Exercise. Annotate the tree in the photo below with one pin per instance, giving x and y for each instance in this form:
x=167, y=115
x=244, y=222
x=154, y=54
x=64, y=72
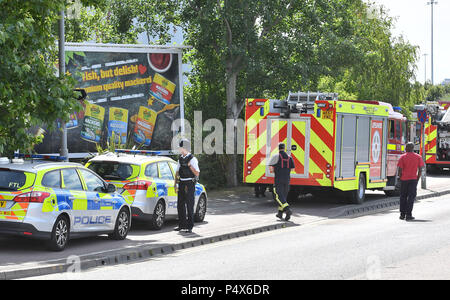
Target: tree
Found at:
x=382, y=66
x=31, y=92
x=263, y=48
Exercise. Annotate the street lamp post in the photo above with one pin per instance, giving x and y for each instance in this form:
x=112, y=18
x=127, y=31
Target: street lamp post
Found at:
x=62, y=70
x=425, y=59
x=432, y=3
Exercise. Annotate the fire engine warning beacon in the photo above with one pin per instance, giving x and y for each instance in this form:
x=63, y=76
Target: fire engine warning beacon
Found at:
x=281, y=164
x=186, y=178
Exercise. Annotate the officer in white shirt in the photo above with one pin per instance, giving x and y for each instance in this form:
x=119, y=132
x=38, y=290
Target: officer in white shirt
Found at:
x=186, y=178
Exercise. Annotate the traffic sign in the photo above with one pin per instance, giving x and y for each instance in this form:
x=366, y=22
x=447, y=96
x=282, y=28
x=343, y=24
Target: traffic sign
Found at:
x=422, y=116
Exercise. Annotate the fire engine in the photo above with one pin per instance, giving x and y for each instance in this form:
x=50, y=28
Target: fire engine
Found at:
x=348, y=146
x=437, y=134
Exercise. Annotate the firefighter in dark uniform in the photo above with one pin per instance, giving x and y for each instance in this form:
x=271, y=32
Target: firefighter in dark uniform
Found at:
x=186, y=178
x=281, y=164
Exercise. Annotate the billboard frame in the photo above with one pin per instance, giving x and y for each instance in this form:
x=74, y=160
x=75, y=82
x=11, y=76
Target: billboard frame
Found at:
x=134, y=48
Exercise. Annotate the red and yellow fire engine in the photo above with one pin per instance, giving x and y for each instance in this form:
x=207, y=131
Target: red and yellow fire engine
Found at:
x=349, y=146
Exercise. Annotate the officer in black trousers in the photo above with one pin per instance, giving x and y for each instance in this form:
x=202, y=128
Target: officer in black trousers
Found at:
x=186, y=177
x=281, y=164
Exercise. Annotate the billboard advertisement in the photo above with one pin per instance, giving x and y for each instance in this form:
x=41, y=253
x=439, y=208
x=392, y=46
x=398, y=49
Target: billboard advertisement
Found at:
x=134, y=93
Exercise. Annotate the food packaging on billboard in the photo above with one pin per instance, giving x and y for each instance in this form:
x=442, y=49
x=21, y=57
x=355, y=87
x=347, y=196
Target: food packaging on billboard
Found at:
x=145, y=125
x=162, y=89
x=118, y=124
x=93, y=123
x=160, y=62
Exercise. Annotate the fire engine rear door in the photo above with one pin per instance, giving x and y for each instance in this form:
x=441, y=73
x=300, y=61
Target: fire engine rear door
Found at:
x=299, y=146
x=294, y=133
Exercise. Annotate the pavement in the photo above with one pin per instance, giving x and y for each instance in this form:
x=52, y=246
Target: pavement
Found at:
x=231, y=213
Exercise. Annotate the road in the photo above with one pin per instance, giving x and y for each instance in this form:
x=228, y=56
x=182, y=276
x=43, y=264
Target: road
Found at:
x=228, y=211
x=378, y=246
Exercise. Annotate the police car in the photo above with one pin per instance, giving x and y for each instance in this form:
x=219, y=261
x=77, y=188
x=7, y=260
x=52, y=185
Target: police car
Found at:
x=57, y=201
x=147, y=181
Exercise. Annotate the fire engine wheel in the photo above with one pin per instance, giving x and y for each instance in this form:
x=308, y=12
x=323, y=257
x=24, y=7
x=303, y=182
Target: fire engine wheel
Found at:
x=358, y=196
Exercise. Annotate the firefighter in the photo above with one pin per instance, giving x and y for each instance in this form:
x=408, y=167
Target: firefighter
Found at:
x=186, y=178
x=281, y=164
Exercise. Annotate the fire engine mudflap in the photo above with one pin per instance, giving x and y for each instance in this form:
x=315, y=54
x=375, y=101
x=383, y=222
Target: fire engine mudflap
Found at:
x=337, y=145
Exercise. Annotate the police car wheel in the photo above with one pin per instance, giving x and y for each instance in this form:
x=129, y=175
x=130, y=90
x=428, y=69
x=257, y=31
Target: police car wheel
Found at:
x=159, y=216
x=60, y=234
x=201, y=209
x=122, y=225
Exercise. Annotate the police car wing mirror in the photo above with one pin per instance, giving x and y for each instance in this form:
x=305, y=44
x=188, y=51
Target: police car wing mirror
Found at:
x=111, y=188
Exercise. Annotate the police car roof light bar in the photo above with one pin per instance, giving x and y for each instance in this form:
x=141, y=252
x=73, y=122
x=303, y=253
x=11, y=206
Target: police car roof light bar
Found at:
x=143, y=152
x=41, y=156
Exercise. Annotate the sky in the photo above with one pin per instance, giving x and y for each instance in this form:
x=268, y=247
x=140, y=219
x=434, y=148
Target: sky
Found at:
x=413, y=21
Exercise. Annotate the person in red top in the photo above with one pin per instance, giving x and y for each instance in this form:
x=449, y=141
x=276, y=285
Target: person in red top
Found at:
x=410, y=167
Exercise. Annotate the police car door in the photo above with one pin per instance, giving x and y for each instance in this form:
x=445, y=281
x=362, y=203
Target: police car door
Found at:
x=73, y=188
x=102, y=204
x=167, y=178
x=173, y=205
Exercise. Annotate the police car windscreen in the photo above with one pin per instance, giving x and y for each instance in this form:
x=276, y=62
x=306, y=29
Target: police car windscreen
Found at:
x=12, y=180
x=112, y=170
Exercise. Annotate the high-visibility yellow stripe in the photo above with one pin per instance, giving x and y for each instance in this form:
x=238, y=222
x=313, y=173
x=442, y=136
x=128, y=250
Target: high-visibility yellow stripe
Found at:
x=317, y=142
x=281, y=206
x=258, y=145
x=392, y=147
x=260, y=169
x=327, y=124
x=275, y=129
x=81, y=203
x=254, y=119
x=257, y=172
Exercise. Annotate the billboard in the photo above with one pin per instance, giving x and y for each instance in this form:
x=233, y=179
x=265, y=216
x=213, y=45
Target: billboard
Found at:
x=134, y=93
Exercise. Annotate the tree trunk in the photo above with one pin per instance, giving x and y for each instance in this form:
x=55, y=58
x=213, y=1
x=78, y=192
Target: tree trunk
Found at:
x=232, y=113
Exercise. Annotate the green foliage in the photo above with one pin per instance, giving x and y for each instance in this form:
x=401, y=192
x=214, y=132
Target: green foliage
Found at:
x=383, y=66
x=120, y=21
x=31, y=93
x=102, y=22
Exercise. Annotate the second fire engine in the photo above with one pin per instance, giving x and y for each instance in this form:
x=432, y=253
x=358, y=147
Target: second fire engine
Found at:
x=437, y=135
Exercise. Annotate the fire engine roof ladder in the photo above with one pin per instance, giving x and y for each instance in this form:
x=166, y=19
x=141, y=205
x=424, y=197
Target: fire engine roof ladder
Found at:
x=305, y=101
x=310, y=97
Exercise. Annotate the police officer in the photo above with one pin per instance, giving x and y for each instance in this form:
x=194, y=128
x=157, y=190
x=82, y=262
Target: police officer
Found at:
x=186, y=178
x=281, y=164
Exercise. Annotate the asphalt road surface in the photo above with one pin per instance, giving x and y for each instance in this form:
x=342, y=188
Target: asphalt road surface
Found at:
x=371, y=247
